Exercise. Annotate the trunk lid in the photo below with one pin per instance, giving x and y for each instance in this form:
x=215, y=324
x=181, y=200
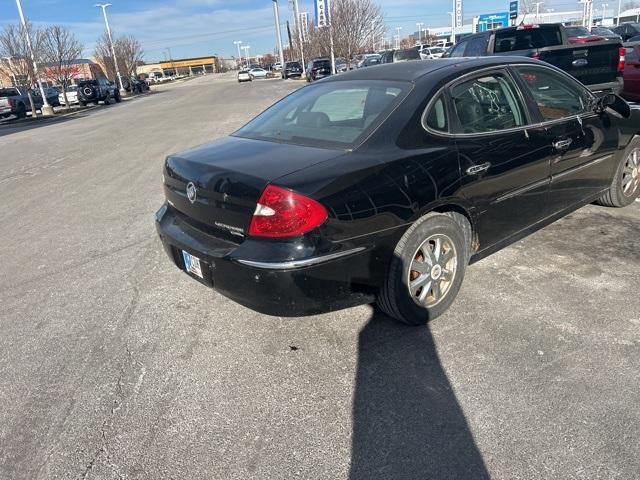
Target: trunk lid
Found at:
x=228, y=176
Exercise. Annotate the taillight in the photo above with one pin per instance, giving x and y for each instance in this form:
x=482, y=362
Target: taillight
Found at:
x=621, y=53
x=10, y=102
x=535, y=56
x=283, y=213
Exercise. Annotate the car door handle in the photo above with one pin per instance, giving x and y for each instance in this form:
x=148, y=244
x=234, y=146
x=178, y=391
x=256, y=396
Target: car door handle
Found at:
x=476, y=169
x=562, y=144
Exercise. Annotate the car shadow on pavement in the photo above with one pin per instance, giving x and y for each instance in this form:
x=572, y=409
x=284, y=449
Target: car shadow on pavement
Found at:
x=407, y=423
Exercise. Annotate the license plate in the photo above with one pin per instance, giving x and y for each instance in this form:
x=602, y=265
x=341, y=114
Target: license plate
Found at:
x=192, y=264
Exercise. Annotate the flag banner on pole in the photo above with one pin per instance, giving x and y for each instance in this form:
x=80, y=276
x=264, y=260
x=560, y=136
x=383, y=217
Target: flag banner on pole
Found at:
x=322, y=13
x=458, y=13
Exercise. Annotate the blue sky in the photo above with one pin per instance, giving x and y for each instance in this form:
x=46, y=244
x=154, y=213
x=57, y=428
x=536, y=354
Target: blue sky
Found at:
x=205, y=27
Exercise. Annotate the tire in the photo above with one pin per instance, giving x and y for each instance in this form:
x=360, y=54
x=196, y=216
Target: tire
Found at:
x=83, y=104
x=417, y=249
x=625, y=187
x=107, y=100
x=117, y=96
x=22, y=111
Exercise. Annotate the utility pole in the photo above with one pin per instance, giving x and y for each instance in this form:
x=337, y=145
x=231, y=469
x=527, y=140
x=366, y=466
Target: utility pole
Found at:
x=296, y=12
x=420, y=25
x=604, y=5
x=47, y=110
x=276, y=15
x=398, y=38
x=104, y=6
x=237, y=44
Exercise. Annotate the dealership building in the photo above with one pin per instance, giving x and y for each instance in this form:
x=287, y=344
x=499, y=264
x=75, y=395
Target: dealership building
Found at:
x=183, y=66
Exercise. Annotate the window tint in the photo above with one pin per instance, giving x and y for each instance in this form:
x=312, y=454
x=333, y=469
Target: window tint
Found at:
x=336, y=114
x=556, y=96
x=458, y=50
x=477, y=47
x=514, y=39
x=437, y=116
x=405, y=55
x=486, y=104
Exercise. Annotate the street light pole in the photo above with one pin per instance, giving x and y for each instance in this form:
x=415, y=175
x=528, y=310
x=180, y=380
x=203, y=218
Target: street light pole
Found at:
x=398, y=38
x=104, y=6
x=296, y=12
x=246, y=54
x=276, y=15
x=453, y=26
x=537, y=4
x=619, y=11
x=237, y=44
x=47, y=110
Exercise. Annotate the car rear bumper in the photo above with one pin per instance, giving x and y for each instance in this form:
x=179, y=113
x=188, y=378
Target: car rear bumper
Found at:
x=316, y=284
x=609, y=87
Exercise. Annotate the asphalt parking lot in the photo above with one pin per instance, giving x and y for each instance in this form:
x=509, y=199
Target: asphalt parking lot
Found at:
x=114, y=364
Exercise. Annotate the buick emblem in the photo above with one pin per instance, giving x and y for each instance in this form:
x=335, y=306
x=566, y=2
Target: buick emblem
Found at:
x=192, y=192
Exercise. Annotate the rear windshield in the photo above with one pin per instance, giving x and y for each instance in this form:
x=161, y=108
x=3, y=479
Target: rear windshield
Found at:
x=404, y=55
x=321, y=64
x=578, y=31
x=293, y=65
x=328, y=115
x=537, y=37
x=8, y=92
x=88, y=82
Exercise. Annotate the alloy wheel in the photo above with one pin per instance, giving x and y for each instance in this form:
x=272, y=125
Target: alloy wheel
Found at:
x=631, y=173
x=432, y=270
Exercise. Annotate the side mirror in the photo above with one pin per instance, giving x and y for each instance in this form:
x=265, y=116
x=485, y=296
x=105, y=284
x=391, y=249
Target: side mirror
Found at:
x=617, y=105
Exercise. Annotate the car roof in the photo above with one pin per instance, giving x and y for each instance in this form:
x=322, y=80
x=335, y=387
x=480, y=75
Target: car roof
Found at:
x=412, y=71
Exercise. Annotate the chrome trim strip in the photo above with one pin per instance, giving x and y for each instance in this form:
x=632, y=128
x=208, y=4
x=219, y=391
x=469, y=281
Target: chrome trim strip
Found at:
x=299, y=263
x=583, y=115
x=525, y=189
x=581, y=167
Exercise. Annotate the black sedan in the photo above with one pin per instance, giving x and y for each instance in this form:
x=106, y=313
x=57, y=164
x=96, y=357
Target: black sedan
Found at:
x=383, y=184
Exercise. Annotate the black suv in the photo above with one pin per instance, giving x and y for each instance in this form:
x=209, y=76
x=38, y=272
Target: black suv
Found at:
x=627, y=30
x=291, y=69
x=318, y=68
x=100, y=90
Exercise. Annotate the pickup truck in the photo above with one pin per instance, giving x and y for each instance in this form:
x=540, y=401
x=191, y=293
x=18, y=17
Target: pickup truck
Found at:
x=598, y=65
x=15, y=101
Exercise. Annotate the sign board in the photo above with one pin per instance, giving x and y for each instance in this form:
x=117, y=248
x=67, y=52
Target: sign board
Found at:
x=493, y=21
x=513, y=10
x=458, y=13
x=322, y=13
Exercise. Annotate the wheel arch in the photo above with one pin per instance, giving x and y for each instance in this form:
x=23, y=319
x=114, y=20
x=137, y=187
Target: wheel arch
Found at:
x=454, y=206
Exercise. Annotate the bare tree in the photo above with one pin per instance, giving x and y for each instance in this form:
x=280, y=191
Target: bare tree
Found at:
x=357, y=26
x=129, y=55
x=14, y=48
x=60, y=49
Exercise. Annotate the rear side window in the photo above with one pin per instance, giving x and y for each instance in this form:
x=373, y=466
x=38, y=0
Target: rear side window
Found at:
x=556, y=96
x=458, y=50
x=486, y=104
x=528, y=38
x=334, y=114
x=477, y=47
x=437, y=116
x=405, y=55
